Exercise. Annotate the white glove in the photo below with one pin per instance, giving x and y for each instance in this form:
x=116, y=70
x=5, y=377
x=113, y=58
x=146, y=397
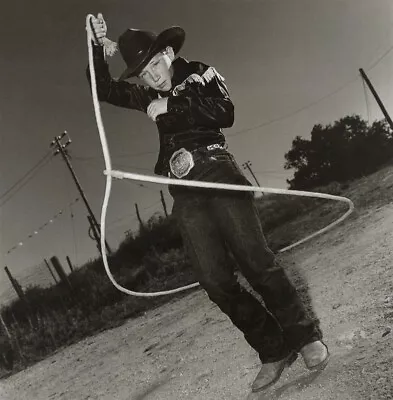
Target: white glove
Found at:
x=99, y=28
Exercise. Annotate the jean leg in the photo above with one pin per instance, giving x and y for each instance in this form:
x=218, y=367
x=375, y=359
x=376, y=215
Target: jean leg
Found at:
x=239, y=220
x=204, y=244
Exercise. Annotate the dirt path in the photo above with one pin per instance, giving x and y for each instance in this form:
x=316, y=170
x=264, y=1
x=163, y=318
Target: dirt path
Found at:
x=187, y=349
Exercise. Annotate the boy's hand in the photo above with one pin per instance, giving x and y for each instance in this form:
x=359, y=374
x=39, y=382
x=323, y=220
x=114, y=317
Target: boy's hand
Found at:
x=99, y=28
x=157, y=107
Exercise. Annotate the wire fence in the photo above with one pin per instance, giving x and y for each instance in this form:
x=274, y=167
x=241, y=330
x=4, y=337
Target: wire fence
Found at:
x=43, y=275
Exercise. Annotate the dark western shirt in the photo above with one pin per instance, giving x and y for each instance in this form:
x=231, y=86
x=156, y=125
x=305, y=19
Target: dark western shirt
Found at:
x=199, y=106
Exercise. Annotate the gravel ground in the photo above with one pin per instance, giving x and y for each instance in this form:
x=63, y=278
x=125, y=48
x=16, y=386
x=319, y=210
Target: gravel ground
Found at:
x=187, y=349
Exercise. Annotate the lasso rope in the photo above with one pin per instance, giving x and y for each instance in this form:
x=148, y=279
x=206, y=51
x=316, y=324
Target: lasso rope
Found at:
x=109, y=172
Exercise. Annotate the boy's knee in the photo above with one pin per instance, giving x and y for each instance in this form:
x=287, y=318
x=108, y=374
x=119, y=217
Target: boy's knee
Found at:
x=217, y=288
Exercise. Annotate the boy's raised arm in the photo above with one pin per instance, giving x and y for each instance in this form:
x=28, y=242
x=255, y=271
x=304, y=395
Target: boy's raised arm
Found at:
x=122, y=93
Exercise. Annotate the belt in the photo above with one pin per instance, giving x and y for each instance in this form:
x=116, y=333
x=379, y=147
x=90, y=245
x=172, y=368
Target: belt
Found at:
x=216, y=146
x=182, y=160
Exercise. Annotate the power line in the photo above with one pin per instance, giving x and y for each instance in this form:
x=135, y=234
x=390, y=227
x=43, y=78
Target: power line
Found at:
x=92, y=160
x=135, y=154
x=42, y=227
x=115, y=164
x=270, y=172
x=60, y=148
x=140, y=185
x=380, y=59
x=74, y=233
x=132, y=214
x=366, y=98
x=269, y=122
x=29, y=175
x=291, y=114
x=121, y=222
x=25, y=175
x=124, y=155
x=374, y=64
x=71, y=217
x=377, y=98
x=153, y=205
x=130, y=166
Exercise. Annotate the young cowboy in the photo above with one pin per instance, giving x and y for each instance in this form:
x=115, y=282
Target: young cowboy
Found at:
x=190, y=104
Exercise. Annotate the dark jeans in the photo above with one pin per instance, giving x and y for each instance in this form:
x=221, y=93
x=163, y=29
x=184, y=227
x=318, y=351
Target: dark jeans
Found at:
x=213, y=222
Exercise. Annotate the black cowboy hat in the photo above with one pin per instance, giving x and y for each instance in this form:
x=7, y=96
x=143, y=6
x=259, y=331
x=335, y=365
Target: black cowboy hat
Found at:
x=137, y=47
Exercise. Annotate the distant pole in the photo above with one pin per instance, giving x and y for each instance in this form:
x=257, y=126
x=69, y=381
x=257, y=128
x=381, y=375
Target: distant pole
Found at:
x=139, y=216
x=60, y=148
x=50, y=270
x=163, y=203
x=70, y=263
x=60, y=271
x=18, y=289
x=247, y=165
x=377, y=98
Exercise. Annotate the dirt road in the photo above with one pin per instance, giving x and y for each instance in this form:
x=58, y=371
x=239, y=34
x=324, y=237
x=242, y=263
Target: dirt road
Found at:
x=187, y=349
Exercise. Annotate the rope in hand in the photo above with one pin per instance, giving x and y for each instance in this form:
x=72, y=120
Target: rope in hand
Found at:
x=110, y=173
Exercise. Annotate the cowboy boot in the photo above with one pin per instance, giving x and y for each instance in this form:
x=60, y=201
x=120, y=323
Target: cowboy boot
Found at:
x=315, y=355
x=270, y=373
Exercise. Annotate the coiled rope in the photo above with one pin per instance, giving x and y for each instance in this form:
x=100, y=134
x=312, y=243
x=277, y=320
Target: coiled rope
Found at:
x=110, y=173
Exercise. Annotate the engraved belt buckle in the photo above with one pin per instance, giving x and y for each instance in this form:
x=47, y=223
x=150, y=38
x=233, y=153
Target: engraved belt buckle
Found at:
x=214, y=146
x=181, y=163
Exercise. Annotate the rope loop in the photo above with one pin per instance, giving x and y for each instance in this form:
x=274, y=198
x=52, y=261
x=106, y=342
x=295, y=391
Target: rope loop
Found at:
x=168, y=181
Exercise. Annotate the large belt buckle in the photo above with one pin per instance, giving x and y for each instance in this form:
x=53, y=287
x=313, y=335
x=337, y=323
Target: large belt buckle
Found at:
x=181, y=163
x=214, y=146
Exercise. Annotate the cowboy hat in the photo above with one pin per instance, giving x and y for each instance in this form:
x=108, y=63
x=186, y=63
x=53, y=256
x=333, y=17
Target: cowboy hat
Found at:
x=137, y=47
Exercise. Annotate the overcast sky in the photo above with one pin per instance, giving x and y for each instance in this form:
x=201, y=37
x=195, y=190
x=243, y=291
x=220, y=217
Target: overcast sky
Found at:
x=283, y=60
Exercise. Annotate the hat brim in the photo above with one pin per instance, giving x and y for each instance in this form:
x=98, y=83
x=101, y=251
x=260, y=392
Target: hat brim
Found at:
x=173, y=37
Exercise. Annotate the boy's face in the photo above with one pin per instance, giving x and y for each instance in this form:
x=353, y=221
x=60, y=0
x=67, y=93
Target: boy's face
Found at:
x=158, y=72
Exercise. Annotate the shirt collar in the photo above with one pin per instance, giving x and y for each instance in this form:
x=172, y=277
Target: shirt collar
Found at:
x=180, y=71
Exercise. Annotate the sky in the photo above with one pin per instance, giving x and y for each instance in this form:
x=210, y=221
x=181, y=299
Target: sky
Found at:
x=288, y=64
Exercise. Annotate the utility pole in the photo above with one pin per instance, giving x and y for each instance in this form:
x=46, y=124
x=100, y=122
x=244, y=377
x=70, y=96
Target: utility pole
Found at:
x=50, y=270
x=371, y=87
x=247, y=165
x=70, y=264
x=163, y=203
x=60, y=148
x=17, y=287
x=93, y=234
x=60, y=271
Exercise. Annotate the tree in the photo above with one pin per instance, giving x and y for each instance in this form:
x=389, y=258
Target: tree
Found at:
x=345, y=150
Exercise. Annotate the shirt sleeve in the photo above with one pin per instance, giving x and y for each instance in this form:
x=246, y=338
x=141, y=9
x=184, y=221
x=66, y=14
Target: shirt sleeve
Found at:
x=204, y=98
x=118, y=93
